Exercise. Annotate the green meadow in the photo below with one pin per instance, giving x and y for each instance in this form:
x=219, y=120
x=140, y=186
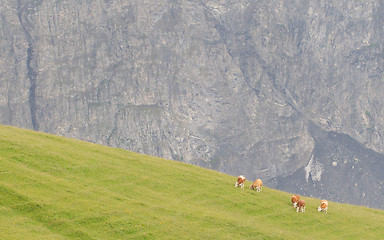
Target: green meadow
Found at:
x=58, y=188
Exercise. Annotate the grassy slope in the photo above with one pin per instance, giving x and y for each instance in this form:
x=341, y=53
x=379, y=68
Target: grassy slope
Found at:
x=57, y=188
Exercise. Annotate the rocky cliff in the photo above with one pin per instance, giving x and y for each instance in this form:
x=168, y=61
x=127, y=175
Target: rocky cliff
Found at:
x=288, y=91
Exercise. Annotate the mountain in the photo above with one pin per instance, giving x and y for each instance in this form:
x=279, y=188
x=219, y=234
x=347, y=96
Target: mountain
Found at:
x=287, y=91
x=57, y=188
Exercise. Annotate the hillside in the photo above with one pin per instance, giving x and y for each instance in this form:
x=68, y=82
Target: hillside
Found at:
x=57, y=188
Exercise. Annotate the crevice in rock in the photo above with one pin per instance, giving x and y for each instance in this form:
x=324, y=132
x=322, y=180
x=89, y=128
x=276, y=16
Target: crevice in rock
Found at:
x=23, y=12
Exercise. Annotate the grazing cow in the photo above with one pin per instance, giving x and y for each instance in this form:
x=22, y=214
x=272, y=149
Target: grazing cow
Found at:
x=300, y=206
x=240, y=181
x=258, y=184
x=323, y=206
x=295, y=199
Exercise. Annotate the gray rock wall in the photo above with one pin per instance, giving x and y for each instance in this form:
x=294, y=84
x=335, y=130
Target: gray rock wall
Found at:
x=229, y=85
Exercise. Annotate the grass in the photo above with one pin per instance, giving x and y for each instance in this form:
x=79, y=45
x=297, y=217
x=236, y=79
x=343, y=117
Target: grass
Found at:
x=57, y=188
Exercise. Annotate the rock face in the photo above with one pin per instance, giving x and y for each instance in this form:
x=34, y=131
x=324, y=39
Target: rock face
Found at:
x=288, y=91
x=341, y=169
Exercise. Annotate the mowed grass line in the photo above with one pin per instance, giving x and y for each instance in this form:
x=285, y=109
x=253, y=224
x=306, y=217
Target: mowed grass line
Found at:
x=57, y=188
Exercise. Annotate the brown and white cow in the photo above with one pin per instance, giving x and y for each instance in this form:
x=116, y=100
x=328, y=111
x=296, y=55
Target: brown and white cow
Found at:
x=240, y=181
x=323, y=206
x=258, y=184
x=300, y=206
x=295, y=199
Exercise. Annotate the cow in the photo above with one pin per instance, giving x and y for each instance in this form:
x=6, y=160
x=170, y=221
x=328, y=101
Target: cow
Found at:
x=295, y=199
x=258, y=184
x=240, y=181
x=300, y=206
x=323, y=206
